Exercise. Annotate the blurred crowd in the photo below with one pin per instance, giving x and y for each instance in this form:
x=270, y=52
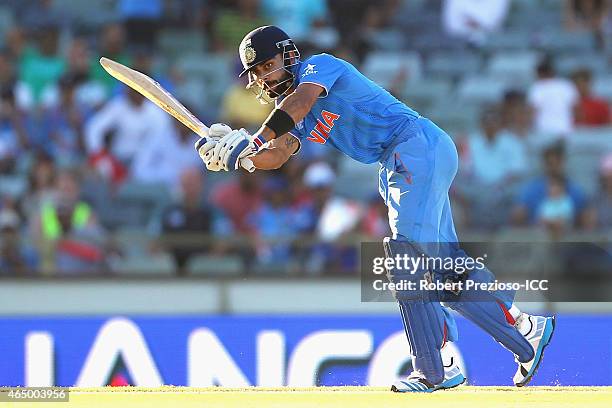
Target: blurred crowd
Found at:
x=93, y=175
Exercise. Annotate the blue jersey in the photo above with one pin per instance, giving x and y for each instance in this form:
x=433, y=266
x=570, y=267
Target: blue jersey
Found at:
x=354, y=115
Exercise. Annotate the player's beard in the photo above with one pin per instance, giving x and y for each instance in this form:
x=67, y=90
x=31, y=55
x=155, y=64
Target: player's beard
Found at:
x=279, y=87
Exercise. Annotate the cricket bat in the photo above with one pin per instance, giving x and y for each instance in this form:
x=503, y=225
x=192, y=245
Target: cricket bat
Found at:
x=153, y=91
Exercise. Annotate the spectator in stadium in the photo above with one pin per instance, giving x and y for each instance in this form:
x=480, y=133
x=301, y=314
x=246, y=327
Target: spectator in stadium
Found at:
x=603, y=201
x=165, y=157
x=7, y=70
x=66, y=231
x=41, y=184
x=517, y=115
x=15, y=258
x=553, y=99
x=189, y=214
x=42, y=65
x=88, y=94
x=143, y=61
x=473, y=20
x=14, y=131
x=238, y=197
x=111, y=44
x=62, y=123
x=535, y=191
x=272, y=225
x=497, y=157
x=15, y=43
x=375, y=225
x=495, y=161
x=10, y=81
x=141, y=20
x=326, y=218
x=350, y=25
x=42, y=13
x=134, y=119
x=105, y=165
x=318, y=178
x=590, y=109
x=556, y=211
x=239, y=108
x=586, y=15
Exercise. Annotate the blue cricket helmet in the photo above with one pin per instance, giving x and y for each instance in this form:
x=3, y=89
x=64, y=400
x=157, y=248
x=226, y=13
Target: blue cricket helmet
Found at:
x=261, y=44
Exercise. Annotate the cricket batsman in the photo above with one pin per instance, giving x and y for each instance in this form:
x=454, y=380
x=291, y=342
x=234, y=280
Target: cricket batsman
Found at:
x=326, y=100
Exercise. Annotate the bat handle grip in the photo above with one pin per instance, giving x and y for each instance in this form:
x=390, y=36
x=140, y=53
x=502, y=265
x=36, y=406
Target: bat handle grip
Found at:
x=247, y=164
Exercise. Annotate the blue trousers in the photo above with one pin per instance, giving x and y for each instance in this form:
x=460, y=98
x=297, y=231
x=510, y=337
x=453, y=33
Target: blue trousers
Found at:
x=414, y=180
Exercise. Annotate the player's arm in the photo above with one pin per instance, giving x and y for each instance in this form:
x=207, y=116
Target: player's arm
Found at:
x=278, y=151
x=237, y=144
x=290, y=111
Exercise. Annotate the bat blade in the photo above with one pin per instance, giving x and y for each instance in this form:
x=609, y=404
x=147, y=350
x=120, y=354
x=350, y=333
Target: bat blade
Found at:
x=154, y=92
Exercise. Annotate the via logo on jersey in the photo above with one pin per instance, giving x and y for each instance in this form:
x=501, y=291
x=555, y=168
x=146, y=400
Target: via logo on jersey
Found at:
x=321, y=131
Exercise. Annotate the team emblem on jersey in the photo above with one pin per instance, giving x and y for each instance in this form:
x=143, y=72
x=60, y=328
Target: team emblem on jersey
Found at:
x=310, y=69
x=248, y=52
x=321, y=131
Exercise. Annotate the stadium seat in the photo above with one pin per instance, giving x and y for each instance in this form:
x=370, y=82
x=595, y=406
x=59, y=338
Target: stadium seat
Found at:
x=178, y=42
x=136, y=204
x=156, y=193
x=81, y=11
x=454, y=120
x=383, y=67
x=521, y=234
x=568, y=63
x=356, y=180
x=13, y=186
x=390, y=39
x=132, y=241
x=481, y=89
x=194, y=64
x=558, y=40
x=595, y=138
x=6, y=21
x=160, y=264
x=435, y=41
x=190, y=93
x=452, y=64
x=513, y=66
x=602, y=86
x=213, y=265
x=515, y=40
x=584, y=167
x=211, y=72
x=426, y=91
x=586, y=147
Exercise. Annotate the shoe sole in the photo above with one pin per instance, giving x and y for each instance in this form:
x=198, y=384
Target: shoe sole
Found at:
x=535, y=369
x=430, y=390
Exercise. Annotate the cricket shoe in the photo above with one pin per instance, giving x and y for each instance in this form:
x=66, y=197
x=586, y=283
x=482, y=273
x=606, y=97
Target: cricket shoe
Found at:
x=538, y=331
x=415, y=382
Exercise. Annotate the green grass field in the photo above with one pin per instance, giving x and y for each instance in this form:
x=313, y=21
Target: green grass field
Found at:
x=329, y=397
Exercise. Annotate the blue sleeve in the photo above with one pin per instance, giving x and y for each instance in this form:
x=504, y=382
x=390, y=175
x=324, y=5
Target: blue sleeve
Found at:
x=323, y=70
x=531, y=197
x=577, y=196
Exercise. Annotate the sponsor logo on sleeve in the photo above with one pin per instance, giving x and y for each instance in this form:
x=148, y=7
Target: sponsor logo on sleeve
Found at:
x=310, y=69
